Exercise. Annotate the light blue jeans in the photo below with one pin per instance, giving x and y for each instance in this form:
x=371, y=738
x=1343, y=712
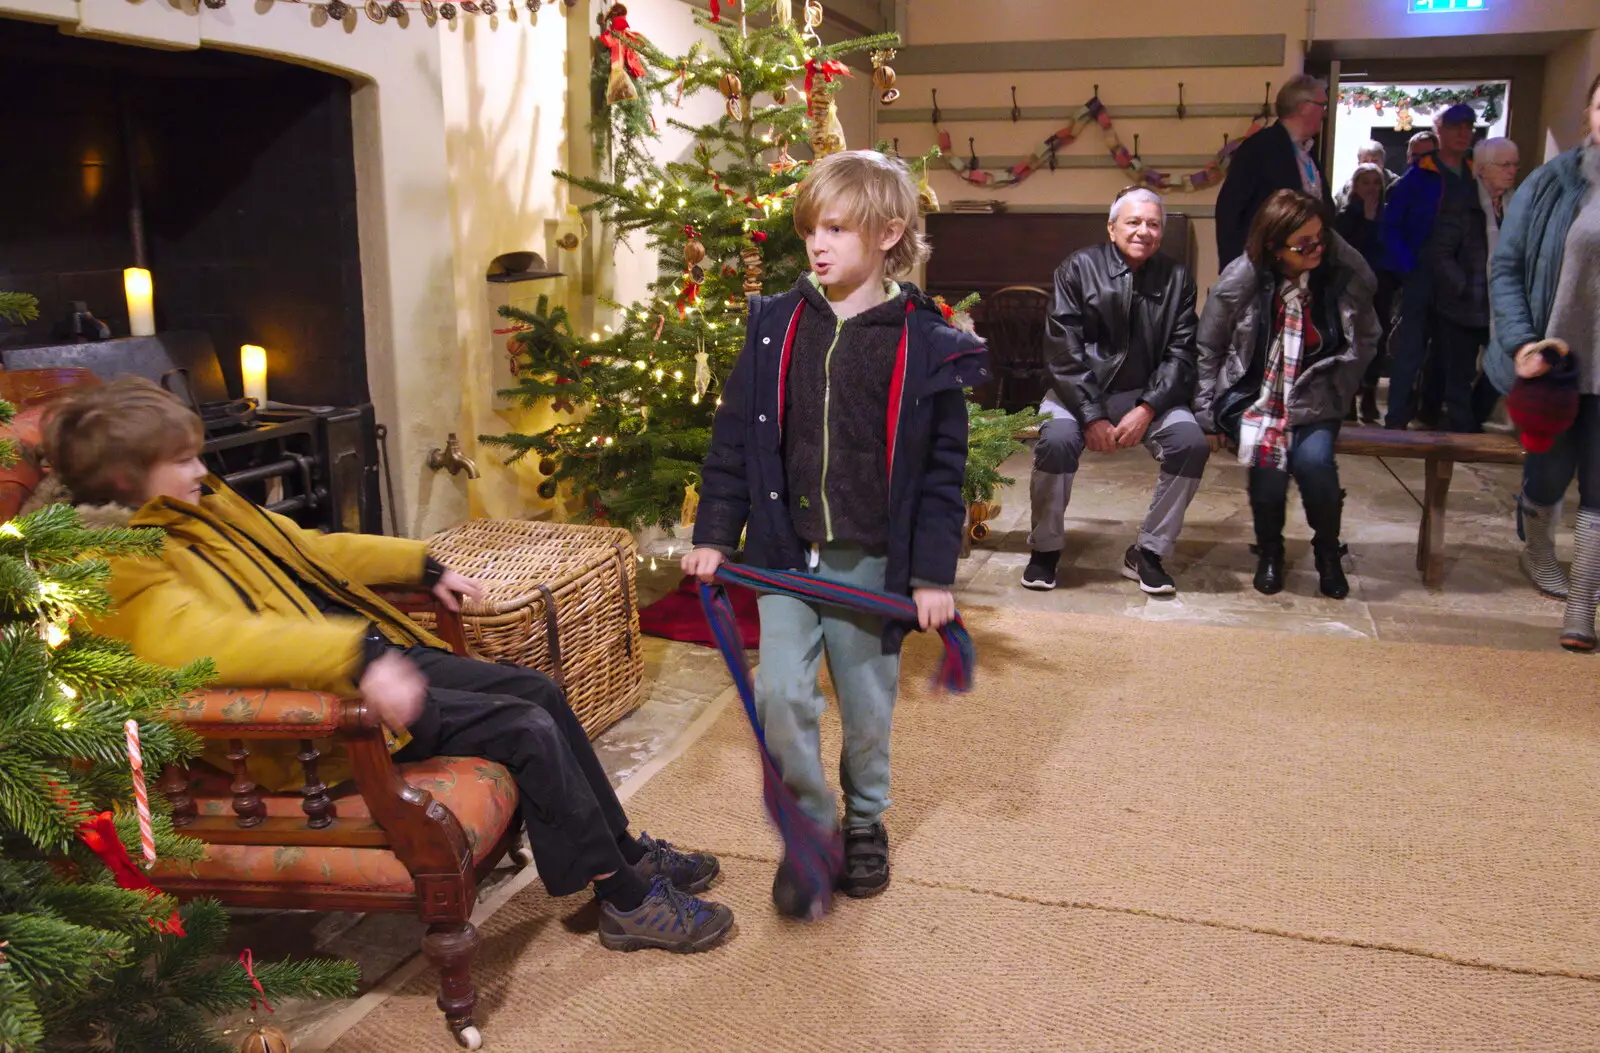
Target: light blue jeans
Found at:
x=794, y=637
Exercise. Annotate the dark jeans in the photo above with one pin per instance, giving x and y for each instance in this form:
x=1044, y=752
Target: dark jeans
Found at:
x=1315, y=471
x=1457, y=347
x=1576, y=452
x=1409, y=347
x=520, y=718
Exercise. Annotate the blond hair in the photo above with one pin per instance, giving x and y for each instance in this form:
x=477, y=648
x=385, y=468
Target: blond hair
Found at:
x=103, y=441
x=867, y=191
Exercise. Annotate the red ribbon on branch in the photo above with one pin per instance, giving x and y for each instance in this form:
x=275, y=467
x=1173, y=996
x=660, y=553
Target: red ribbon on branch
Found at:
x=618, y=37
x=248, y=960
x=99, y=832
x=716, y=8
x=829, y=70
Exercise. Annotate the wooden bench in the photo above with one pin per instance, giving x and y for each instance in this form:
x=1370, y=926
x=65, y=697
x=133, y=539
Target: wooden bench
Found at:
x=1439, y=450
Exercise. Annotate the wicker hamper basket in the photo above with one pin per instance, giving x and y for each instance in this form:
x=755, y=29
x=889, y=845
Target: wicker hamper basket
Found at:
x=558, y=598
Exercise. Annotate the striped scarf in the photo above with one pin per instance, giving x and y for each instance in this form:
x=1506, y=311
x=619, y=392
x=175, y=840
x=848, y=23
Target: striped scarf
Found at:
x=814, y=851
x=1264, y=428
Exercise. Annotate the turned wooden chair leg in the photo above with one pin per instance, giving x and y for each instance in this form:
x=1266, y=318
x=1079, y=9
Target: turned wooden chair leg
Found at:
x=451, y=946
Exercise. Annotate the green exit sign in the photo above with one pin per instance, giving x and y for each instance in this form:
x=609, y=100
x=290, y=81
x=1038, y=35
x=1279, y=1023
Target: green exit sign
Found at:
x=1440, y=7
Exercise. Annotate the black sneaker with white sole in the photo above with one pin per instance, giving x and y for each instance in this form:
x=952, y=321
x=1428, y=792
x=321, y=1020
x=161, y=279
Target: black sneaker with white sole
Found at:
x=1145, y=567
x=1040, y=573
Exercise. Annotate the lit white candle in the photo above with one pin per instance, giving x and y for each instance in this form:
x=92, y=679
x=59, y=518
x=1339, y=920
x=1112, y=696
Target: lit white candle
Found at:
x=141, y=301
x=253, y=364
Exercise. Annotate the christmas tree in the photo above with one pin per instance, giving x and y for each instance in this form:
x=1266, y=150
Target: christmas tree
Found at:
x=91, y=957
x=722, y=223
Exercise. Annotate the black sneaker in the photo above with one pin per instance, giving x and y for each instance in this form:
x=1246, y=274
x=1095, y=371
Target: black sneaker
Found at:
x=688, y=871
x=1145, y=567
x=1041, y=571
x=866, y=861
x=792, y=899
x=667, y=920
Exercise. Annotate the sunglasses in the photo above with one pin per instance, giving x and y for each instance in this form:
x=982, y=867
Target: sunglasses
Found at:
x=1307, y=246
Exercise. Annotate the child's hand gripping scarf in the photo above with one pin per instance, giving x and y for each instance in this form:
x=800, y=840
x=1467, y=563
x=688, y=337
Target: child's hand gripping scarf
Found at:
x=1264, y=428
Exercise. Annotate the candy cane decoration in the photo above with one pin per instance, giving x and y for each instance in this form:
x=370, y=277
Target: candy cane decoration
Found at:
x=141, y=797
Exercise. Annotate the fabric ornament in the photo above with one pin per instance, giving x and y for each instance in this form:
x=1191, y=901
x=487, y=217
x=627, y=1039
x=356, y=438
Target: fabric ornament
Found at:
x=99, y=833
x=716, y=8
x=691, y=505
x=702, y=372
x=626, y=65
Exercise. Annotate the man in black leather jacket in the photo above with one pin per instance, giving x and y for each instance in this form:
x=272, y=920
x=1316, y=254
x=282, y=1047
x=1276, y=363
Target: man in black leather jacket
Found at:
x=1119, y=343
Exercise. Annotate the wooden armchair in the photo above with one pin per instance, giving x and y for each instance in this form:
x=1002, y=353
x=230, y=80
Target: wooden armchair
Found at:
x=404, y=837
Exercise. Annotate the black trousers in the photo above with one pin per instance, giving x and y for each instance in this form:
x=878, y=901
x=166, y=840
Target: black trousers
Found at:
x=520, y=718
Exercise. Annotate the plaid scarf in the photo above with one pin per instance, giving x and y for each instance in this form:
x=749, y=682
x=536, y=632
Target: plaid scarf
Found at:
x=1264, y=428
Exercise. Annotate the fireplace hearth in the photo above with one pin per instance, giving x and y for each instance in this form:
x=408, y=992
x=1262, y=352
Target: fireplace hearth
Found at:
x=230, y=177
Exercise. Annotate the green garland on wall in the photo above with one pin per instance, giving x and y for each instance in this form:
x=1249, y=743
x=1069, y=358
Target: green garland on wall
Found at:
x=1491, y=97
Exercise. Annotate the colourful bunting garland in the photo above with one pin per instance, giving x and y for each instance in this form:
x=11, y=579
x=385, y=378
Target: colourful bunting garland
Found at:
x=1490, y=96
x=1095, y=112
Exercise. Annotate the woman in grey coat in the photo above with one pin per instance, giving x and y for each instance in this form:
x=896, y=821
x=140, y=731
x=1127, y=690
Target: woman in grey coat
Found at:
x=1284, y=341
x=1544, y=283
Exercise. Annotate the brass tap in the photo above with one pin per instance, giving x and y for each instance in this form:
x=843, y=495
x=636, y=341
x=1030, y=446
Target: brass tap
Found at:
x=452, y=458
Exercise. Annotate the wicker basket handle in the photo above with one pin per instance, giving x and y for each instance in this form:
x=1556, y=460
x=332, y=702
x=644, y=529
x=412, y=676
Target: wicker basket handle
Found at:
x=627, y=599
x=552, y=637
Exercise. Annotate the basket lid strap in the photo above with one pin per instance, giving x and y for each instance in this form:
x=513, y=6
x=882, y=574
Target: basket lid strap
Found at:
x=627, y=598
x=552, y=637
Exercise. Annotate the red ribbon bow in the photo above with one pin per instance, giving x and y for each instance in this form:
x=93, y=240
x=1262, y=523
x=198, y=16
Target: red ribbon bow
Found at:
x=617, y=38
x=829, y=70
x=248, y=960
x=99, y=832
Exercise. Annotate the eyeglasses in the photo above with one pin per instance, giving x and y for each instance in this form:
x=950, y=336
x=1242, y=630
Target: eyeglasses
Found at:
x=1306, y=247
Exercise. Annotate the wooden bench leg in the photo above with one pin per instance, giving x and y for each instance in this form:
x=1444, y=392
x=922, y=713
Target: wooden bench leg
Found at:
x=1430, y=535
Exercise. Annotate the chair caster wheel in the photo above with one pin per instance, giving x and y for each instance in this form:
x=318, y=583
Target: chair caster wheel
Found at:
x=469, y=1037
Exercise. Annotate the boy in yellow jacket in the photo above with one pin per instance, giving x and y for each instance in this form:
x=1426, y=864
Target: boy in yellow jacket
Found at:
x=273, y=605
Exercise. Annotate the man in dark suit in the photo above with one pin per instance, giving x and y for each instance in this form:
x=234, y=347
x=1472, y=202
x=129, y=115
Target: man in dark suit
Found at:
x=1273, y=159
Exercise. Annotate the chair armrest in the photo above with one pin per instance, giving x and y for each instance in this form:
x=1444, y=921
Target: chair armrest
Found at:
x=269, y=713
x=411, y=601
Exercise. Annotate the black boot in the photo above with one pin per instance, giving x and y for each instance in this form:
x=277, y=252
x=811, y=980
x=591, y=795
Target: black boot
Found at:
x=1269, y=516
x=1369, y=404
x=1330, y=568
x=1269, y=568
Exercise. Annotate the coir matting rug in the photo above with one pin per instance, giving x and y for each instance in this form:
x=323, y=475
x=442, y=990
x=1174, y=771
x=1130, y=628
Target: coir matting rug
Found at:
x=1130, y=836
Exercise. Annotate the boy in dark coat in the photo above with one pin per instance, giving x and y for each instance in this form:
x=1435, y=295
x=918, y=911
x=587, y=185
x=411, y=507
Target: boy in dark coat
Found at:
x=840, y=450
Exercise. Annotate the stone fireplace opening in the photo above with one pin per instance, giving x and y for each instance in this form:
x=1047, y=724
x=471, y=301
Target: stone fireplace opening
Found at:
x=236, y=172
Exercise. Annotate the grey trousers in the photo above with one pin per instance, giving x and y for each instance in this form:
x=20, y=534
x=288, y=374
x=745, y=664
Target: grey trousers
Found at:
x=1173, y=438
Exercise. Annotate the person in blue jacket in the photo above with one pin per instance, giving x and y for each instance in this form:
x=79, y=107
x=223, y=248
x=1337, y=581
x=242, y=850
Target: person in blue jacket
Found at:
x=1544, y=283
x=840, y=449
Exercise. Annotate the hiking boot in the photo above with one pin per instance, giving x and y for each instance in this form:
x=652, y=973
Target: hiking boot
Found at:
x=1269, y=568
x=1040, y=573
x=667, y=920
x=1330, y=569
x=792, y=899
x=1145, y=567
x=866, y=861
x=688, y=871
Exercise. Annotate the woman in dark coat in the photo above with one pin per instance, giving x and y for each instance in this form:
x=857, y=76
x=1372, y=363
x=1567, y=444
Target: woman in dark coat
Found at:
x=1360, y=222
x=1285, y=339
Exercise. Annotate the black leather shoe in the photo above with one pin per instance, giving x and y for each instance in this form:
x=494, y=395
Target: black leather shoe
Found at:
x=1330, y=570
x=1269, y=568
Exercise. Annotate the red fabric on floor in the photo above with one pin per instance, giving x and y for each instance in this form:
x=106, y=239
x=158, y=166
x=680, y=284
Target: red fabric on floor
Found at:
x=677, y=616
